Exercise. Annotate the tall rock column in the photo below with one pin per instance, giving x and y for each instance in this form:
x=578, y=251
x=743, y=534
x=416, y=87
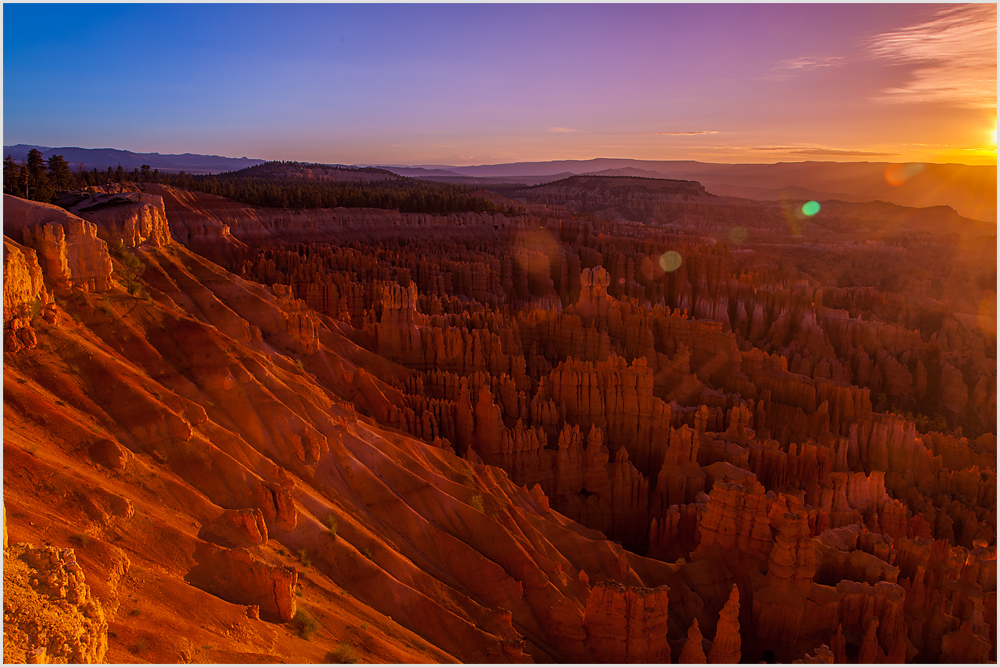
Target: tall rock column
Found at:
x=726, y=647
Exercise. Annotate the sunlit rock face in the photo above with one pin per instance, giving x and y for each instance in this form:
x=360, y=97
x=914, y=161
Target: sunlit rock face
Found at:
x=577, y=434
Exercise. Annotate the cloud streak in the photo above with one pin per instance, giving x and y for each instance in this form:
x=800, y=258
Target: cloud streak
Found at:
x=686, y=134
x=814, y=152
x=786, y=69
x=809, y=63
x=954, y=58
x=560, y=129
x=841, y=153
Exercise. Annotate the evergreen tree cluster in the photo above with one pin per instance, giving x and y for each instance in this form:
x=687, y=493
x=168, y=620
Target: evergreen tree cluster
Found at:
x=43, y=180
x=271, y=184
x=276, y=185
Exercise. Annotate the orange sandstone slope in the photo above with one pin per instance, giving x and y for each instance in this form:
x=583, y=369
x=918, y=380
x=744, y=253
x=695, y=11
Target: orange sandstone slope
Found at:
x=197, y=445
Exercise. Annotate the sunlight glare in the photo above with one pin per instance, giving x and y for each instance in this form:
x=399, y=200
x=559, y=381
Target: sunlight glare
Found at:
x=671, y=261
x=897, y=174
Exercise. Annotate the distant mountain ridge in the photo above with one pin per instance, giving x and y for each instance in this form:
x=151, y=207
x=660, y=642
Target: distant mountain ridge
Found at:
x=970, y=189
x=102, y=158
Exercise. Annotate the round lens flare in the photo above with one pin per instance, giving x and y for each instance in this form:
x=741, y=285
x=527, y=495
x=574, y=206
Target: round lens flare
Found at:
x=670, y=261
x=738, y=235
x=810, y=208
x=897, y=174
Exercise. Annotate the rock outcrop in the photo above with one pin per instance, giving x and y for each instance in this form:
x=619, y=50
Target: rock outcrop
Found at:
x=627, y=624
x=25, y=296
x=129, y=218
x=50, y=614
x=237, y=575
x=69, y=250
x=237, y=528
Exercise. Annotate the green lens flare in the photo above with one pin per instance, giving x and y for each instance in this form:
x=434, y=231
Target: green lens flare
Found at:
x=670, y=261
x=810, y=208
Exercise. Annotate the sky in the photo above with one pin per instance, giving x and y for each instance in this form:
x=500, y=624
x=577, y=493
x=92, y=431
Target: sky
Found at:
x=463, y=84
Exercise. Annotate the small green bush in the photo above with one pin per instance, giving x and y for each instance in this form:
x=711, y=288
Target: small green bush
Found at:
x=368, y=554
x=477, y=503
x=331, y=524
x=139, y=646
x=80, y=539
x=343, y=655
x=304, y=558
x=305, y=624
x=135, y=612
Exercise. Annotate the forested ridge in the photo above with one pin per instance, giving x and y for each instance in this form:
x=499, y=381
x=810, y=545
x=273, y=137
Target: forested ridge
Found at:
x=274, y=184
x=279, y=185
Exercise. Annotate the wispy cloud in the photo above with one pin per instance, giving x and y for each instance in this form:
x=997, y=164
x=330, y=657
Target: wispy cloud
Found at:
x=819, y=151
x=809, y=63
x=560, y=129
x=954, y=54
x=684, y=134
x=786, y=69
x=842, y=153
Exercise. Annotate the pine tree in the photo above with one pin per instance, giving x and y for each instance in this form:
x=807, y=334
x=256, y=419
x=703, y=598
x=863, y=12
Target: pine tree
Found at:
x=13, y=177
x=39, y=187
x=59, y=173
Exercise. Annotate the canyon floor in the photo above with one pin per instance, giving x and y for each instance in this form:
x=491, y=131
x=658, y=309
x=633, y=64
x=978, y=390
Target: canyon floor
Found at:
x=635, y=422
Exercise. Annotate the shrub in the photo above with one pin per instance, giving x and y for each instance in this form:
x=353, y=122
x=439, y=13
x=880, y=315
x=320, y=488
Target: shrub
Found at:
x=304, y=558
x=135, y=612
x=139, y=646
x=80, y=539
x=477, y=503
x=344, y=655
x=131, y=268
x=331, y=524
x=305, y=624
x=368, y=554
